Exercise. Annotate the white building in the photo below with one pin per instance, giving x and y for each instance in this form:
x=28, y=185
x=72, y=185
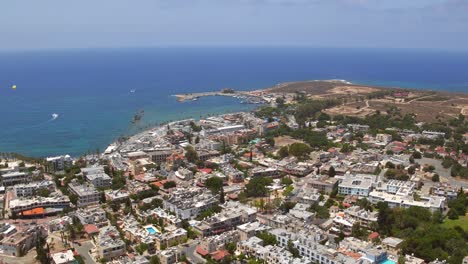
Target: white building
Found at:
x=310, y=248
x=433, y=203
x=97, y=177
x=30, y=189
x=357, y=184
x=16, y=177
x=86, y=193
x=65, y=257
x=116, y=195
x=189, y=203
x=19, y=205
x=59, y=163
x=253, y=247
x=92, y=215
x=385, y=138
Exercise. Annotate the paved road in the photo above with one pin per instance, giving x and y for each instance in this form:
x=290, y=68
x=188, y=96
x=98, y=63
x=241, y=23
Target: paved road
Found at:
x=83, y=250
x=192, y=256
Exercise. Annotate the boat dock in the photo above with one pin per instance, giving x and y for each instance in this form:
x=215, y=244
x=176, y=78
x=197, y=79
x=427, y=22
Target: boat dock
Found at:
x=232, y=93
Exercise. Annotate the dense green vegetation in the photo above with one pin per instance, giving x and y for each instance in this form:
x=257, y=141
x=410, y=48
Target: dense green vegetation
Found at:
x=145, y=194
x=169, y=184
x=299, y=150
x=190, y=154
x=379, y=121
x=118, y=180
x=214, y=184
x=315, y=139
x=257, y=187
x=268, y=239
x=424, y=233
x=321, y=212
x=461, y=222
x=307, y=109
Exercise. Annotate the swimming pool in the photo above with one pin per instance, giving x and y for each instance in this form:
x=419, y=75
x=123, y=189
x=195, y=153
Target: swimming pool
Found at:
x=152, y=231
x=388, y=261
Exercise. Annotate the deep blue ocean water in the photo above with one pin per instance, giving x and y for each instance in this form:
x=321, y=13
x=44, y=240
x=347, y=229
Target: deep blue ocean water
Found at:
x=90, y=89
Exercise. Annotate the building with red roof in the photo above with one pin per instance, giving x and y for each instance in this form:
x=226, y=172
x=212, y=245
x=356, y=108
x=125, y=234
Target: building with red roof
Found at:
x=219, y=255
x=91, y=229
x=205, y=170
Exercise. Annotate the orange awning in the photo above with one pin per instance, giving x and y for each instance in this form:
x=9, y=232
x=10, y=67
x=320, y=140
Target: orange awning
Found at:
x=35, y=211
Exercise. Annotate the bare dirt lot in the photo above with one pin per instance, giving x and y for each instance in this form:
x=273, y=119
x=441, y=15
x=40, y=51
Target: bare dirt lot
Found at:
x=285, y=140
x=352, y=90
x=428, y=106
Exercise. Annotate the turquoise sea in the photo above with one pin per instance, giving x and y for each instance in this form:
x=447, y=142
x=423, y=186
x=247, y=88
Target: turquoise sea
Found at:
x=90, y=90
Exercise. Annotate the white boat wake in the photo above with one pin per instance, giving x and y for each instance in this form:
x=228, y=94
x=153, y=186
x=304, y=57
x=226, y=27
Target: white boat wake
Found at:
x=54, y=116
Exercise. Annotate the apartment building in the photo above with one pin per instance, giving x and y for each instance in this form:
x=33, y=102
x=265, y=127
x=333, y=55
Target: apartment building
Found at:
x=189, y=203
x=109, y=243
x=310, y=248
x=94, y=215
x=59, y=163
x=30, y=189
x=20, y=243
x=171, y=255
x=54, y=203
x=86, y=193
x=249, y=230
x=433, y=203
x=253, y=247
x=15, y=177
x=211, y=244
x=357, y=184
x=97, y=177
x=233, y=214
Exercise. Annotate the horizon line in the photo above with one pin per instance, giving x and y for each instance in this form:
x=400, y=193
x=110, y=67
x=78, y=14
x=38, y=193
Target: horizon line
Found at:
x=226, y=46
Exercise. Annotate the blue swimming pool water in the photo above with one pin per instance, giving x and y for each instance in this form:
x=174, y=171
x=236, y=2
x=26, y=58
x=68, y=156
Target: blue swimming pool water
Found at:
x=388, y=261
x=151, y=230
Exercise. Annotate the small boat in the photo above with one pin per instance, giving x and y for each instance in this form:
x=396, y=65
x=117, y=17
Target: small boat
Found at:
x=133, y=90
x=54, y=116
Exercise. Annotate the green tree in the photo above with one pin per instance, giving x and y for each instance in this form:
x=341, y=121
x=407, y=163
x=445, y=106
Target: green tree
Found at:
x=214, y=184
x=417, y=155
x=286, y=181
x=401, y=259
x=44, y=192
x=191, y=154
x=346, y=148
x=141, y=248
x=279, y=101
x=283, y=152
x=294, y=251
x=357, y=231
x=257, y=187
x=169, y=184
x=221, y=196
x=270, y=141
x=155, y=260
x=73, y=198
x=331, y=171
x=299, y=150
x=41, y=253
x=268, y=239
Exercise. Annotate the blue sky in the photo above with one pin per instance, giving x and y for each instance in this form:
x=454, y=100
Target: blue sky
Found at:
x=62, y=24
